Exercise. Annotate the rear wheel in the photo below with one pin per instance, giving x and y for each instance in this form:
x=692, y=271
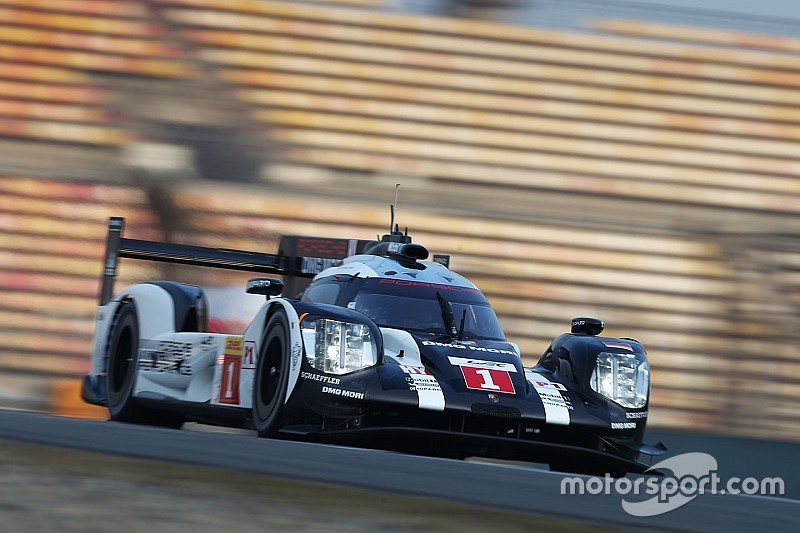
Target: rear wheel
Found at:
x=123, y=349
x=123, y=359
x=272, y=376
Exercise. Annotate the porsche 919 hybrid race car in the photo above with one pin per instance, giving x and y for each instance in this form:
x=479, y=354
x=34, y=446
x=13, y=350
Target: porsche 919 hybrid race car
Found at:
x=382, y=349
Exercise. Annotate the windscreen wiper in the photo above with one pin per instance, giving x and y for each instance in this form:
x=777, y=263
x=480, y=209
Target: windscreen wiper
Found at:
x=447, y=315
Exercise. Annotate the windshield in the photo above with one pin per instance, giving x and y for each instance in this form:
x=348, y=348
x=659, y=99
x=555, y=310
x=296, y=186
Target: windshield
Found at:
x=420, y=311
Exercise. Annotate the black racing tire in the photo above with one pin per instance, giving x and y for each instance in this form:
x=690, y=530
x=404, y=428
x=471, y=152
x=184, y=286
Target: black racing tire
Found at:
x=123, y=359
x=272, y=376
x=123, y=349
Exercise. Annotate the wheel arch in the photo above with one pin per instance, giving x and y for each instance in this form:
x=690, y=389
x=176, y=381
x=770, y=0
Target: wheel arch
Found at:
x=258, y=328
x=157, y=305
x=190, y=305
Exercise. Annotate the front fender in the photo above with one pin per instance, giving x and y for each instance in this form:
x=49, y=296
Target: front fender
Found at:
x=254, y=334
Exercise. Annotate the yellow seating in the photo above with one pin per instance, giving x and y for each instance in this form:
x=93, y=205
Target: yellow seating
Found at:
x=82, y=23
x=52, y=241
x=82, y=41
x=519, y=60
x=246, y=15
x=460, y=100
x=43, y=74
x=95, y=61
x=698, y=34
x=108, y=8
x=658, y=123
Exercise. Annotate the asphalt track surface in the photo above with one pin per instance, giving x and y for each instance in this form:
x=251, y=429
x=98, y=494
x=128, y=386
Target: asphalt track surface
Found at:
x=509, y=487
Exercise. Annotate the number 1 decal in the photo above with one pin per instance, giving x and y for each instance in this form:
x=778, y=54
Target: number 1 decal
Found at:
x=229, y=384
x=488, y=379
x=231, y=370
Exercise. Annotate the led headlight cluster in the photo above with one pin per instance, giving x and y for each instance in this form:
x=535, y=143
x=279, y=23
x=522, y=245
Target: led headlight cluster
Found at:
x=336, y=347
x=622, y=377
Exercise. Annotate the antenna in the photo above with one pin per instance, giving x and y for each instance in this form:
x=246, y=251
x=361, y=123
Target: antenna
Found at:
x=461, y=327
x=394, y=208
x=394, y=235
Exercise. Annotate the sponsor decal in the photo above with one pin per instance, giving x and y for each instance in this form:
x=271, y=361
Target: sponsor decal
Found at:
x=623, y=425
x=429, y=392
x=488, y=379
x=480, y=363
x=320, y=378
x=640, y=414
x=619, y=345
x=490, y=350
x=234, y=346
x=231, y=362
x=556, y=406
x=297, y=352
x=492, y=376
x=444, y=345
x=173, y=357
x=344, y=393
x=249, y=358
x=468, y=347
x=408, y=369
x=556, y=386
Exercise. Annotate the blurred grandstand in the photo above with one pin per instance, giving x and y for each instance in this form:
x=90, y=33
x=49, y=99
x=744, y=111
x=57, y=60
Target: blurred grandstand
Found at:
x=642, y=172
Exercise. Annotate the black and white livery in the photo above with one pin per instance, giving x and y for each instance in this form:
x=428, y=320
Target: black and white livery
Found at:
x=382, y=349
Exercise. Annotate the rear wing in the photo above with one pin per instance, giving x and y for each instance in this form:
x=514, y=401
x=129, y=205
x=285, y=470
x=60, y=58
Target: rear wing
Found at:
x=299, y=258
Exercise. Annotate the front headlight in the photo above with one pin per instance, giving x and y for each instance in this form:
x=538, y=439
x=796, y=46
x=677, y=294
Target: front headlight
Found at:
x=622, y=377
x=337, y=347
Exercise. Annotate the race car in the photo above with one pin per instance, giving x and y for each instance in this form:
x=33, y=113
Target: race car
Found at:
x=381, y=349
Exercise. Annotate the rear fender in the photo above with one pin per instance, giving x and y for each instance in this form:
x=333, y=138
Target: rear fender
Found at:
x=156, y=313
x=155, y=310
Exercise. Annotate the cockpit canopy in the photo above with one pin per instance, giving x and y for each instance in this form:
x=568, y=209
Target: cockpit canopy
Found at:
x=410, y=305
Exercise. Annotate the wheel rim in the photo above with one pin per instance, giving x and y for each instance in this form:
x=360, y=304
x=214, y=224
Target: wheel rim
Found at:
x=123, y=361
x=270, y=377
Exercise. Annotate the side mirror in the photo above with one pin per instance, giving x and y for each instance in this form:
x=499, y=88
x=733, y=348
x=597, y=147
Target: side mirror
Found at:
x=587, y=326
x=266, y=286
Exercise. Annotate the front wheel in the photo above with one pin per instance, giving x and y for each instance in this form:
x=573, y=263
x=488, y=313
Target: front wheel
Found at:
x=272, y=376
